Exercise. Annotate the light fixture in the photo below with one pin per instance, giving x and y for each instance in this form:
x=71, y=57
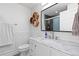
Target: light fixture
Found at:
x=56, y=11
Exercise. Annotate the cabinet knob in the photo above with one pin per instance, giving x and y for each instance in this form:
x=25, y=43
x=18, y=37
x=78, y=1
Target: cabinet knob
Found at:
x=35, y=46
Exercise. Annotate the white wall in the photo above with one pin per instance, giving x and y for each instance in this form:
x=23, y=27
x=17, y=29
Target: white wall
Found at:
x=36, y=31
x=62, y=35
x=16, y=14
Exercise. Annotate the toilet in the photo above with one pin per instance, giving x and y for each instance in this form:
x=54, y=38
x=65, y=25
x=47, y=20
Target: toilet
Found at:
x=23, y=49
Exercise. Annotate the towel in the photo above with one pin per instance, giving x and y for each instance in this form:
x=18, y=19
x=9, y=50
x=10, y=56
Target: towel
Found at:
x=75, y=27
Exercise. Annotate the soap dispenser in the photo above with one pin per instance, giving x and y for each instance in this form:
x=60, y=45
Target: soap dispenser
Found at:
x=45, y=34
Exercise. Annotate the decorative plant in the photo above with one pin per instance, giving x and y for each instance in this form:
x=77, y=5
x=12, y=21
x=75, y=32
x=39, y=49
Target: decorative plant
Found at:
x=35, y=19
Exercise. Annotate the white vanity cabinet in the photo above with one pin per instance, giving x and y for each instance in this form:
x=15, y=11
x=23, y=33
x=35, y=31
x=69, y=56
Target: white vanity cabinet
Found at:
x=37, y=48
x=42, y=50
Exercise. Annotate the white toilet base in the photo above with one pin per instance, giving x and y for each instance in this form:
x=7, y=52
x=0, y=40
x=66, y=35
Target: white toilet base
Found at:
x=24, y=53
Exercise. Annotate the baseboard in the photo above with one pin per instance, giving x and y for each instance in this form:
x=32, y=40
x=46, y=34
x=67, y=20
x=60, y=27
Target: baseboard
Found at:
x=9, y=53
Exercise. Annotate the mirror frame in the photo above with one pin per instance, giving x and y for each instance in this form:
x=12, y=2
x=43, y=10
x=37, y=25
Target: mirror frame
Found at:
x=41, y=19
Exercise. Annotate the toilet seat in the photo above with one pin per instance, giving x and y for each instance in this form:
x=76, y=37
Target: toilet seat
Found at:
x=23, y=47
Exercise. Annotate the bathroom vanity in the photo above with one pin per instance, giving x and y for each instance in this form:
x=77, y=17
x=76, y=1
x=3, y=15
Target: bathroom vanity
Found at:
x=50, y=47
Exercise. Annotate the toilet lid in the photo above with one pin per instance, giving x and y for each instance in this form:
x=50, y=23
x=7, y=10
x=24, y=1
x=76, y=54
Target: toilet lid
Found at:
x=24, y=46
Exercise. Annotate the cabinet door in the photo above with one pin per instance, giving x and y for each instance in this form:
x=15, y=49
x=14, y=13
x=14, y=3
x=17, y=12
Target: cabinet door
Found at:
x=32, y=48
x=42, y=50
x=55, y=52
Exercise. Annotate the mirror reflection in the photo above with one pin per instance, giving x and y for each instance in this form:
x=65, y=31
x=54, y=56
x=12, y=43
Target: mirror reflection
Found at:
x=58, y=17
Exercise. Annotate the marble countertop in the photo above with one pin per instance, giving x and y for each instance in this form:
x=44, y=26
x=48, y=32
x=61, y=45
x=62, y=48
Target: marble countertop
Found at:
x=68, y=47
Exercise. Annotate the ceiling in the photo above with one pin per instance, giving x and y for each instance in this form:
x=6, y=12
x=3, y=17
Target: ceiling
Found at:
x=30, y=5
x=54, y=10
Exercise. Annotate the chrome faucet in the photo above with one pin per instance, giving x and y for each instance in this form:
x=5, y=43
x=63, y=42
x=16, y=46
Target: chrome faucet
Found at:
x=51, y=35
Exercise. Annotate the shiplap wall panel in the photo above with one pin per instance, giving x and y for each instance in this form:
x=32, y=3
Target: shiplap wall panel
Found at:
x=5, y=34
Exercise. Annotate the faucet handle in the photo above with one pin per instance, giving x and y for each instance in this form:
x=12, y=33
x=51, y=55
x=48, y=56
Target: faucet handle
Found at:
x=56, y=37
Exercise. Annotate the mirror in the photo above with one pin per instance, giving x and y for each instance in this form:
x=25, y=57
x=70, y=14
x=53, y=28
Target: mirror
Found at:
x=58, y=17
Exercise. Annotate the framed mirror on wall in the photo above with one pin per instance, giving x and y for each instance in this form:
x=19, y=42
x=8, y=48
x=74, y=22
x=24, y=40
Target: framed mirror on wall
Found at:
x=58, y=17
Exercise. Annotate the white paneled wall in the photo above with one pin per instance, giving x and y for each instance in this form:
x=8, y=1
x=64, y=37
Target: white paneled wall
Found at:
x=18, y=17
x=6, y=34
x=6, y=37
